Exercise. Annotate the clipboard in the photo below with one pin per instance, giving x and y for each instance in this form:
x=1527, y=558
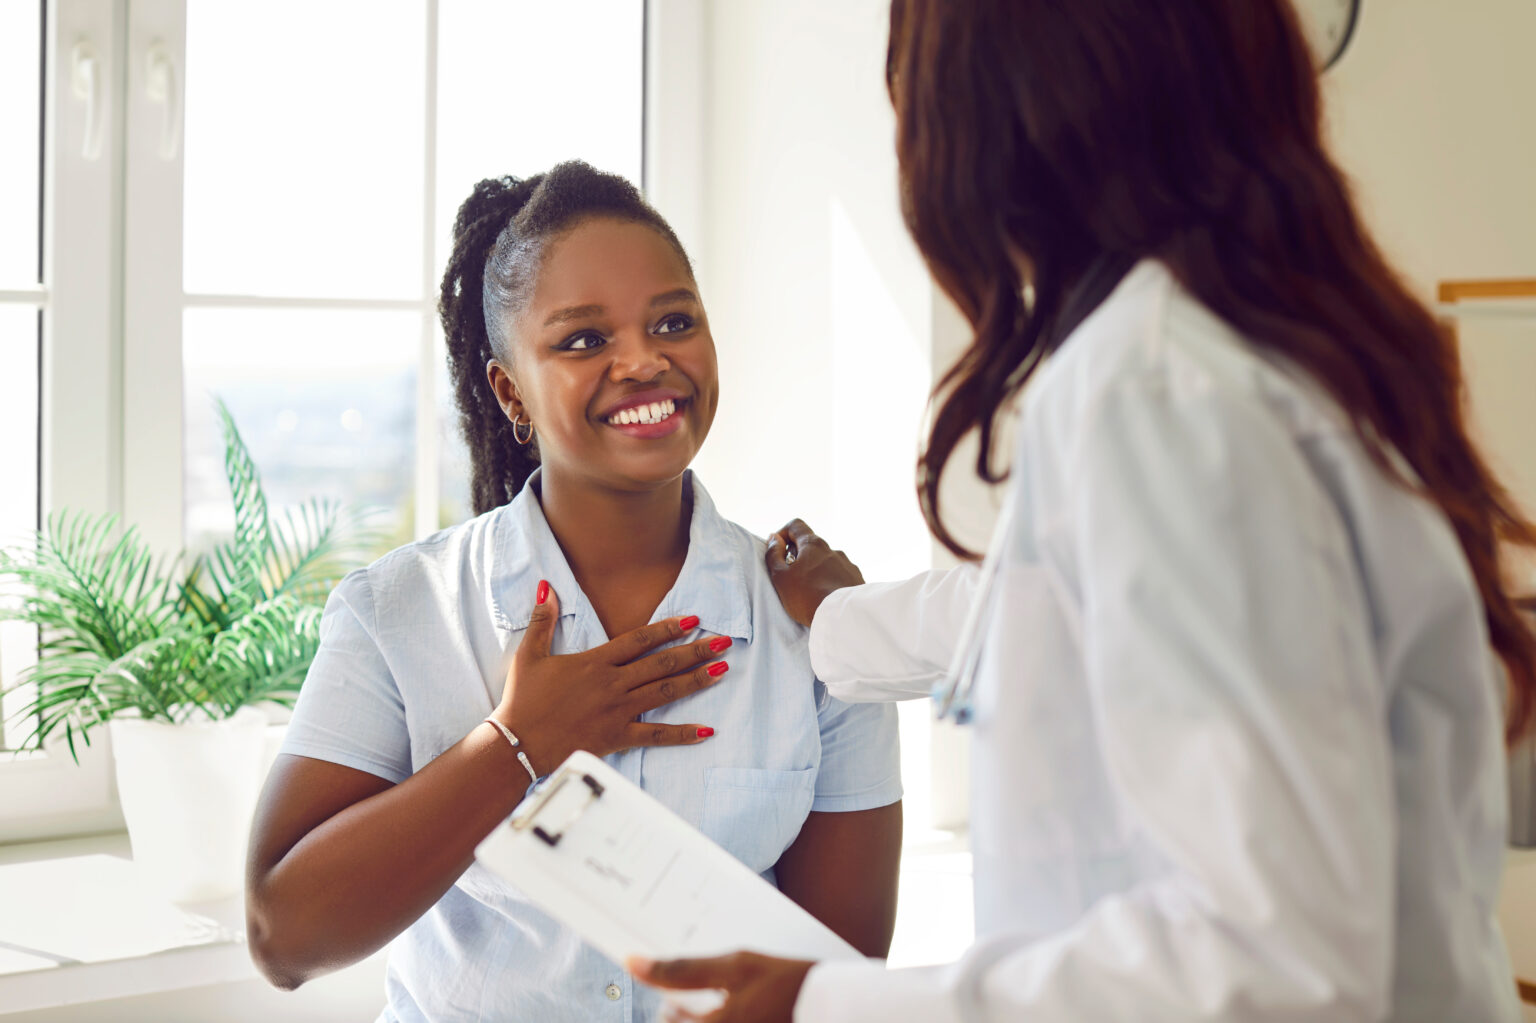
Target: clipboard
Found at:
x=597, y=853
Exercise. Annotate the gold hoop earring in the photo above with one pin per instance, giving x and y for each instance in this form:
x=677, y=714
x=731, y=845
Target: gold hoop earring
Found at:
x=520, y=438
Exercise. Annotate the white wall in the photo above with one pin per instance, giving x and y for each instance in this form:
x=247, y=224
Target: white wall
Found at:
x=1433, y=115
x=818, y=300
x=822, y=311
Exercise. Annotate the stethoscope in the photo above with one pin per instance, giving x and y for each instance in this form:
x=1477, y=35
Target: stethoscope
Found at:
x=954, y=695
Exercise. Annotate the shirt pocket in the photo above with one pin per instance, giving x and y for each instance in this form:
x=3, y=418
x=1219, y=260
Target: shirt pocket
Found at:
x=756, y=813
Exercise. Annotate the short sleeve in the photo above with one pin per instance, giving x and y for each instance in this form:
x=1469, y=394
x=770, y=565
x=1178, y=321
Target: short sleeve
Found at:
x=349, y=710
x=860, y=755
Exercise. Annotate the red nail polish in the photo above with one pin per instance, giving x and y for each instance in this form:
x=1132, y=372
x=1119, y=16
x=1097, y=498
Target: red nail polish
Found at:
x=691, y=622
x=719, y=643
x=705, y=733
x=543, y=593
x=719, y=668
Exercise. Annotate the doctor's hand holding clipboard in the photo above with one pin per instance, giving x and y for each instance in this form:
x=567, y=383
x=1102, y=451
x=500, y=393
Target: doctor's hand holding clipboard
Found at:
x=1241, y=660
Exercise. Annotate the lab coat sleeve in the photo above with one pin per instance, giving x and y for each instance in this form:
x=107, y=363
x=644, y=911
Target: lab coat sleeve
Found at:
x=890, y=641
x=1226, y=646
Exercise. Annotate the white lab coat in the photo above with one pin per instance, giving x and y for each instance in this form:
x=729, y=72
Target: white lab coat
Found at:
x=1237, y=749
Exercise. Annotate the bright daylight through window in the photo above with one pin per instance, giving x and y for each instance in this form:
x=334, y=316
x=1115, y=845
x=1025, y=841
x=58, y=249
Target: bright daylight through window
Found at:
x=279, y=249
x=310, y=276
x=20, y=303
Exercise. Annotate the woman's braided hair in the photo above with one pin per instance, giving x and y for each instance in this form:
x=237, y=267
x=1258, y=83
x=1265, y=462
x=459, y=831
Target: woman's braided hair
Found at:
x=499, y=238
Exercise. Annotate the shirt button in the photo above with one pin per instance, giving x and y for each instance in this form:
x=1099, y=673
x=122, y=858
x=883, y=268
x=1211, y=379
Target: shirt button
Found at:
x=614, y=992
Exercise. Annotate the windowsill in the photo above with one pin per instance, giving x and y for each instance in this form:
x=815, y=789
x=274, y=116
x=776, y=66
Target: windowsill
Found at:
x=78, y=925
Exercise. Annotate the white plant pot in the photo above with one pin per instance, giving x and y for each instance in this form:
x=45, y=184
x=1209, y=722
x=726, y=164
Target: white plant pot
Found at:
x=277, y=717
x=188, y=793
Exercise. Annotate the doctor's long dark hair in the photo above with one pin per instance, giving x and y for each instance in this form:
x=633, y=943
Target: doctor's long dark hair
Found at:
x=1071, y=131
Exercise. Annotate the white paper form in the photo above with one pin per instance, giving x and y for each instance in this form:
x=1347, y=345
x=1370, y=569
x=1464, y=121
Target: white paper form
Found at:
x=597, y=853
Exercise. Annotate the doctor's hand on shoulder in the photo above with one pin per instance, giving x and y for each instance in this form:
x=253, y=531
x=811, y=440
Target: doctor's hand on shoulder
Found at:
x=804, y=569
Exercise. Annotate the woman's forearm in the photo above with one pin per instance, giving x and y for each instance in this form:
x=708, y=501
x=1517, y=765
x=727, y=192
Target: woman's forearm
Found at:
x=360, y=875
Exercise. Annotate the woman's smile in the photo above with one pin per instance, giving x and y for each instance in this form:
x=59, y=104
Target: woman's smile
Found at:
x=647, y=415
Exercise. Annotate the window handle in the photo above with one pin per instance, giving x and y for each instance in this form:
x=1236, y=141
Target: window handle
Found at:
x=86, y=83
x=161, y=86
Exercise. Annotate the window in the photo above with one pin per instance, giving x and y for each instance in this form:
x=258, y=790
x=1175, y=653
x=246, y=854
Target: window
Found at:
x=21, y=297
x=254, y=202
x=317, y=213
x=58, y=407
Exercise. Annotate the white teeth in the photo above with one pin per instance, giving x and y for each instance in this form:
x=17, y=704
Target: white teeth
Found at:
x=655, y=412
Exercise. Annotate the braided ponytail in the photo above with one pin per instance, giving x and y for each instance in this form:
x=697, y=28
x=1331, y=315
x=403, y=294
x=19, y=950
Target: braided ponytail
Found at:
x=500, y=465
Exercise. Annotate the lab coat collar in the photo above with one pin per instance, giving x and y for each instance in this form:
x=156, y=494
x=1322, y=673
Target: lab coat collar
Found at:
x=712, y=583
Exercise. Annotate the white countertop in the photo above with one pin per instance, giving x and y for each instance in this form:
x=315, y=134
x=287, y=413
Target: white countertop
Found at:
x=78, y=924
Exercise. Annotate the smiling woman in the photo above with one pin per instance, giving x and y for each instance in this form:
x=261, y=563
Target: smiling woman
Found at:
x=611, y=333
x=586, y=382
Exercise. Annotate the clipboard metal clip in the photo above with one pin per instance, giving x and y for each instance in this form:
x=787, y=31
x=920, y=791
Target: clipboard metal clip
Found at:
x=564, y=798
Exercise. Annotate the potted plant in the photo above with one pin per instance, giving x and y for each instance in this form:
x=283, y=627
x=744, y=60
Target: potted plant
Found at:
x=178, y=658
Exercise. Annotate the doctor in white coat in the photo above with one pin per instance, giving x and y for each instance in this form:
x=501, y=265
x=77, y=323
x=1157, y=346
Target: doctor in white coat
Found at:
x=1241, y=659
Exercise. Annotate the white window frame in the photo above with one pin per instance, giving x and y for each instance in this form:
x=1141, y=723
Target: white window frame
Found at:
x=47, y=793
x=113, y=303
x=676, y=91
x=154, y=300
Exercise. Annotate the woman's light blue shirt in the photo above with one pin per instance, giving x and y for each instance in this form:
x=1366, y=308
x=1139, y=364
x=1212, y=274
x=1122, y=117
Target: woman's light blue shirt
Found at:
x=414, y=655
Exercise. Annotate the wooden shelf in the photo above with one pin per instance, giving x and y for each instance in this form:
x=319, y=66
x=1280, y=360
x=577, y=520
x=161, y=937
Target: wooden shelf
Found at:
x=1510, y=287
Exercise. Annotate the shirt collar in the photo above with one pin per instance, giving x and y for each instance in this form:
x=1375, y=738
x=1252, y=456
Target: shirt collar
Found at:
x=712, y=583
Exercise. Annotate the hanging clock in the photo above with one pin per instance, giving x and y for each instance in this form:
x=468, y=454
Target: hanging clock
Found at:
x=1328, y=25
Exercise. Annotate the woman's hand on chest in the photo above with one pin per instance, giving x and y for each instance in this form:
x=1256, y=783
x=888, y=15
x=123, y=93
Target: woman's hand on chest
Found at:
x=557, y=704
